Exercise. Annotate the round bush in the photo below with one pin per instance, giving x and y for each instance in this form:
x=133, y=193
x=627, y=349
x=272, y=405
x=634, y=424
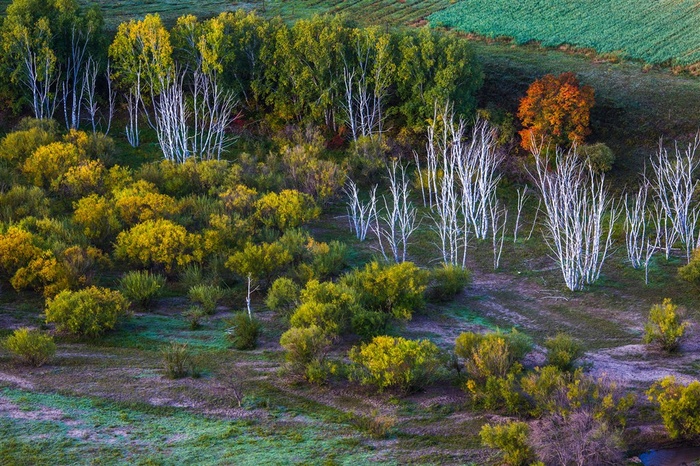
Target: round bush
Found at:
x=88, y=312
x=244, y=331
x=388, y=362
x=32, y=346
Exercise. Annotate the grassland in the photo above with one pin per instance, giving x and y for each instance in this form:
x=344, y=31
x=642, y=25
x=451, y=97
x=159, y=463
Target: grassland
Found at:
x=649, y=30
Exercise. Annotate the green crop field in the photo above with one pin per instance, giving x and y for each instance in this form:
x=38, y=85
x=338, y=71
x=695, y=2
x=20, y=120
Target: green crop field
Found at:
x=650, y=30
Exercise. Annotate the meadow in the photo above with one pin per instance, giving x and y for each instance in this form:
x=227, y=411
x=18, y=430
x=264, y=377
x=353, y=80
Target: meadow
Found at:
x=88, y=210
x=651, y=31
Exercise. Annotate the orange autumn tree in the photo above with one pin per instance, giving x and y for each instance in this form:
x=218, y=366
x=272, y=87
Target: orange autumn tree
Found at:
x=556, y=110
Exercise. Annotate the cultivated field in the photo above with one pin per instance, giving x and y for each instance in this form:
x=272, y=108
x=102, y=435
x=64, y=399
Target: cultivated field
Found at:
x=648, y=30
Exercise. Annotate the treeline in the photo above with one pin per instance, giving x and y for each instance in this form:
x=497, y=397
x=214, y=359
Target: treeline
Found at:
x=324, y=71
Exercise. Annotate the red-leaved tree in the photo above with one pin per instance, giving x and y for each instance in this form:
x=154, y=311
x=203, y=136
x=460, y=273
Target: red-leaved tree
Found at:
x=556, y=110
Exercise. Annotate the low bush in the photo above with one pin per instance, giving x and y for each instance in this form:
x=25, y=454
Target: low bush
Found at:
x=511, y=439
x=492, y=354
x=158, y=243
x=288, y=209
x=327, y=305
x=447, y=281
x=579, y=438
x=194, y=316
x=679, y=407
x=368, y=324
x=177, y=361
x=260, y=261
x=305, y=348
x=664, y=327
x=691, y=271
x=31, y=346
x=243, y=331
x=283, y=296
x=376, y=425
x=88, y=312
x=395, y=362
x=396, y=289
x=563, y=351
x=141, y=287
x=599, y=156
x=208, y=296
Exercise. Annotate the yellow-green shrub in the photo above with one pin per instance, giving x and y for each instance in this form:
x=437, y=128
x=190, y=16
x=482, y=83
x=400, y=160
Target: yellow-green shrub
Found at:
x=283, y=295
x=260, y=261
x=23, y=201
x=396, y=289
x=388, y=362
x=447, y=281
x=679, y=407
x=239, y=199
x=83, y=179
x=288, y=209
x=305, y=347
x=691, y=271
x=141, y=201
x=32, y=346
x=88, y=312
x=511, y=439
x=563, y=351
x=97, y=217
x=158, y=243
x=141, y=287
x=17, y=249
x=491, y=354
x=664, y=326
x=327, y=305
x=47, y=164
x=17, y=146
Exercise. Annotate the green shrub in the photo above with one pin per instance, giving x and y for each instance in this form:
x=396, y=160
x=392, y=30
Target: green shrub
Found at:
x=141, y=287
x=395, y=289
x=368, y=324
x=208, y=296
x=492, y=354
x=23, y=201
x=329, y=259
x=679, y=407
x=260, y=261
x=552, y=391
x=563, y=351
x=194, y=316
x=691, y=272
x=664, y=327
x=599, y=156
x=546, y=389
x=283, y=296
x=158, y=243
x=304, y=347
x=243, y=331
x=32, y=346
x=447, y=281
x=325, y=304
x=388, y=362
x=17, y=146
x=191, y=275
x=511, y=439
x=288, y=209
x=177, y=361
x=88, y=312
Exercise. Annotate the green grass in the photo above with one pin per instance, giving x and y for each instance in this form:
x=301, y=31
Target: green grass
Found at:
x=55, y=429
x=649, y=30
